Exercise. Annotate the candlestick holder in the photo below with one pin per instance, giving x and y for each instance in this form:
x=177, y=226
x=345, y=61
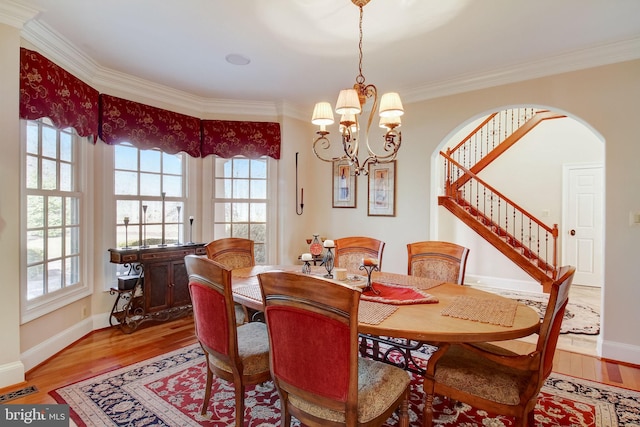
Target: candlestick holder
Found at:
x=144, y=227
x=190, y=231
x=178, y=208
x=370, y=269
x=306, y=267
x=126, y=233
x=163, y=244
x=328, y=263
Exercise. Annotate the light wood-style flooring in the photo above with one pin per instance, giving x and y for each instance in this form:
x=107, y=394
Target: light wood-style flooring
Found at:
x=108, y=349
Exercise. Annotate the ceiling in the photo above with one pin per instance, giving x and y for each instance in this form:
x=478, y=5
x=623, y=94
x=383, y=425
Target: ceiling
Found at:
x=303, y=51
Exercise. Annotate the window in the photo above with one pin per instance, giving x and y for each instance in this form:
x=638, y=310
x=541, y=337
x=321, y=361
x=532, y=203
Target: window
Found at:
x=150, y=192
x=240, y=201
x=52, y=214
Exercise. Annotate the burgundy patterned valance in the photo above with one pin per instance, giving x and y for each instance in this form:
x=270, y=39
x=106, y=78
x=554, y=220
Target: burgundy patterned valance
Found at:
x=47, y=90
x=148, y=127
x=232, y=138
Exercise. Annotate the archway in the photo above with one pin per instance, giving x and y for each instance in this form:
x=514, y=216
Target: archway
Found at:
x=532, y=173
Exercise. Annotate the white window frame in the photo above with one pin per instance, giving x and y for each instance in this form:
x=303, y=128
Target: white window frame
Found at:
x=49, y=302
x=271, y=201
x=137, y=228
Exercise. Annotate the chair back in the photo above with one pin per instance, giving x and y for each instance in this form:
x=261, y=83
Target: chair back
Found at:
x=213, y=306
x=232, y=252
x=313, y=336
x=351, y=250
x=550, y=327
x=444, y=261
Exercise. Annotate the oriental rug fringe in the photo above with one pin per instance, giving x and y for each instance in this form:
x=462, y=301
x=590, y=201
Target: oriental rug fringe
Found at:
x=168, y=390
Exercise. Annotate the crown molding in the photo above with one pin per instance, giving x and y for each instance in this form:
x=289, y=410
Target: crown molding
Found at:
x=16, y=14
x=605, y=54
x=62, y=52
x=59, y=50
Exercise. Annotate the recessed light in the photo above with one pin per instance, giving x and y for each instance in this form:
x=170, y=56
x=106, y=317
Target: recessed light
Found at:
x=237, y=59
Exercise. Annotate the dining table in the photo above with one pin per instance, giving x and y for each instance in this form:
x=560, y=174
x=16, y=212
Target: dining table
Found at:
x=435, y=313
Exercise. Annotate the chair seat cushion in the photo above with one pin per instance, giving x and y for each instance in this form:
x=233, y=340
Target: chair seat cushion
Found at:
x=465, y=370
x=379, y=385
x=253, y=349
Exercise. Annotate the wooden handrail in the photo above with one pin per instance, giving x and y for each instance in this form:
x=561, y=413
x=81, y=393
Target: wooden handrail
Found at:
x=450, y=192
x=473, y=132
x=503, y=218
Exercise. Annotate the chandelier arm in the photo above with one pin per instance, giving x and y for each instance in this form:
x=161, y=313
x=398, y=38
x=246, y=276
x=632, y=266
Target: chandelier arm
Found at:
x=326, y=144
x=391, y=146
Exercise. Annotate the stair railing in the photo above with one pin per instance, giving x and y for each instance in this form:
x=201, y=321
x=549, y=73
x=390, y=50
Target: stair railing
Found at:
x=520, y=229
x=496, y=128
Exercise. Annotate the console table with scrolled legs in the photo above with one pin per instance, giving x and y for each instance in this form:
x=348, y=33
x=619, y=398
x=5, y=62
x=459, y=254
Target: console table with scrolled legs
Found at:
x=161, y=290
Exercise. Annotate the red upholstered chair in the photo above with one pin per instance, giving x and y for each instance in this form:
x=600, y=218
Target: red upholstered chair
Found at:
x=443, y=261
x=233, y=252
x=351, y=250
x=238, y=354
x=313, y=336
x=494, y=379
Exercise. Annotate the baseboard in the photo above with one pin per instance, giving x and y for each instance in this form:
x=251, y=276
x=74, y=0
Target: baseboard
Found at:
x=501, y=283
x=11, y=373
x=620, y=352
x=43, y=351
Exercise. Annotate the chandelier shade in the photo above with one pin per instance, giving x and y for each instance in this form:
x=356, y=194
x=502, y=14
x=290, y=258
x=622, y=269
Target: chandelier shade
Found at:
x=348, y=102
x=322, y=114
x=391, y=105
x=390, y=122
x=349, y=107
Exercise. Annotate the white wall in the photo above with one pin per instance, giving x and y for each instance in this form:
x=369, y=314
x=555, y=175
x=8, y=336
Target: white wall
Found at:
x=11, y=368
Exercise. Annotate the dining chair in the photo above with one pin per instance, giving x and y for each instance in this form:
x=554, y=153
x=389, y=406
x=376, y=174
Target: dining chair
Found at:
x=313, y=336
x=351, y=250
x=233, y=252
x=438, y=260
x=492, y=378
x=238, y=354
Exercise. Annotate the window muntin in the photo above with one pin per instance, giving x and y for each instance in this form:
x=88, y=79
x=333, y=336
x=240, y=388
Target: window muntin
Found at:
x=52, y=211
x=240, y=201
x=148, y=184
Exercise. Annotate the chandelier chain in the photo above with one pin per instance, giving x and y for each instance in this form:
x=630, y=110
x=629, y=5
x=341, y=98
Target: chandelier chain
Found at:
x=360, y=78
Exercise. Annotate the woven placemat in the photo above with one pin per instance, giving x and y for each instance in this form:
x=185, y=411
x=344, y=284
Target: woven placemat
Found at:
x=496, y=312
x=404, y=280
x=249, y=291
x=374, y=313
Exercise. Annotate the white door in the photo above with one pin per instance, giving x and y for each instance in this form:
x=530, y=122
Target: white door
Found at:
x=582, y=239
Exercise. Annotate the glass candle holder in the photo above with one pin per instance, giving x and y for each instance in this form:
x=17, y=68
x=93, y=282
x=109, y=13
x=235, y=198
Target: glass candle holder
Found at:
x=328, y=263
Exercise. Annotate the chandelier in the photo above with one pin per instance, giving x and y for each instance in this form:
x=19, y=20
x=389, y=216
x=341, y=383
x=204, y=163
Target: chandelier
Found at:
x=350, y=107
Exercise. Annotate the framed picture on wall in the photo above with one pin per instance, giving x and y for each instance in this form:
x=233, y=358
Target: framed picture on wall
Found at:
x=382, y=189
x=344, y=185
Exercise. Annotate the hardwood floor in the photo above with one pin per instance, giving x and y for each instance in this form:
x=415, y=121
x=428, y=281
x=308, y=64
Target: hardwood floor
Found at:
x=108, y=349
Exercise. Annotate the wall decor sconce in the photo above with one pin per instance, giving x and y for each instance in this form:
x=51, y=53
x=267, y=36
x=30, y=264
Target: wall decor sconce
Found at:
x=301, y=191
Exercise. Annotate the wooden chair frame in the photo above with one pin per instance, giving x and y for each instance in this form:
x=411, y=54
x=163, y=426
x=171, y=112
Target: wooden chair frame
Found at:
x=226, y=249
x=534, y=367
x=333, y=301
x=439, y=253
x=351, y=250
x=217, y=278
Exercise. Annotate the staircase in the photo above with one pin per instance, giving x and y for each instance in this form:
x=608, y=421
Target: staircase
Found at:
x=524, y=239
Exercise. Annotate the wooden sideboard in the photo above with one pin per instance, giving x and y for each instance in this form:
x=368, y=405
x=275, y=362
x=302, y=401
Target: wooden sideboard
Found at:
x=161, y=292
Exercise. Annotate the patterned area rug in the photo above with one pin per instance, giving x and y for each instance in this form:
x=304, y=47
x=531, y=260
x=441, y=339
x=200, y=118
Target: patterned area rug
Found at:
x=168, y=390
x=578, y=318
